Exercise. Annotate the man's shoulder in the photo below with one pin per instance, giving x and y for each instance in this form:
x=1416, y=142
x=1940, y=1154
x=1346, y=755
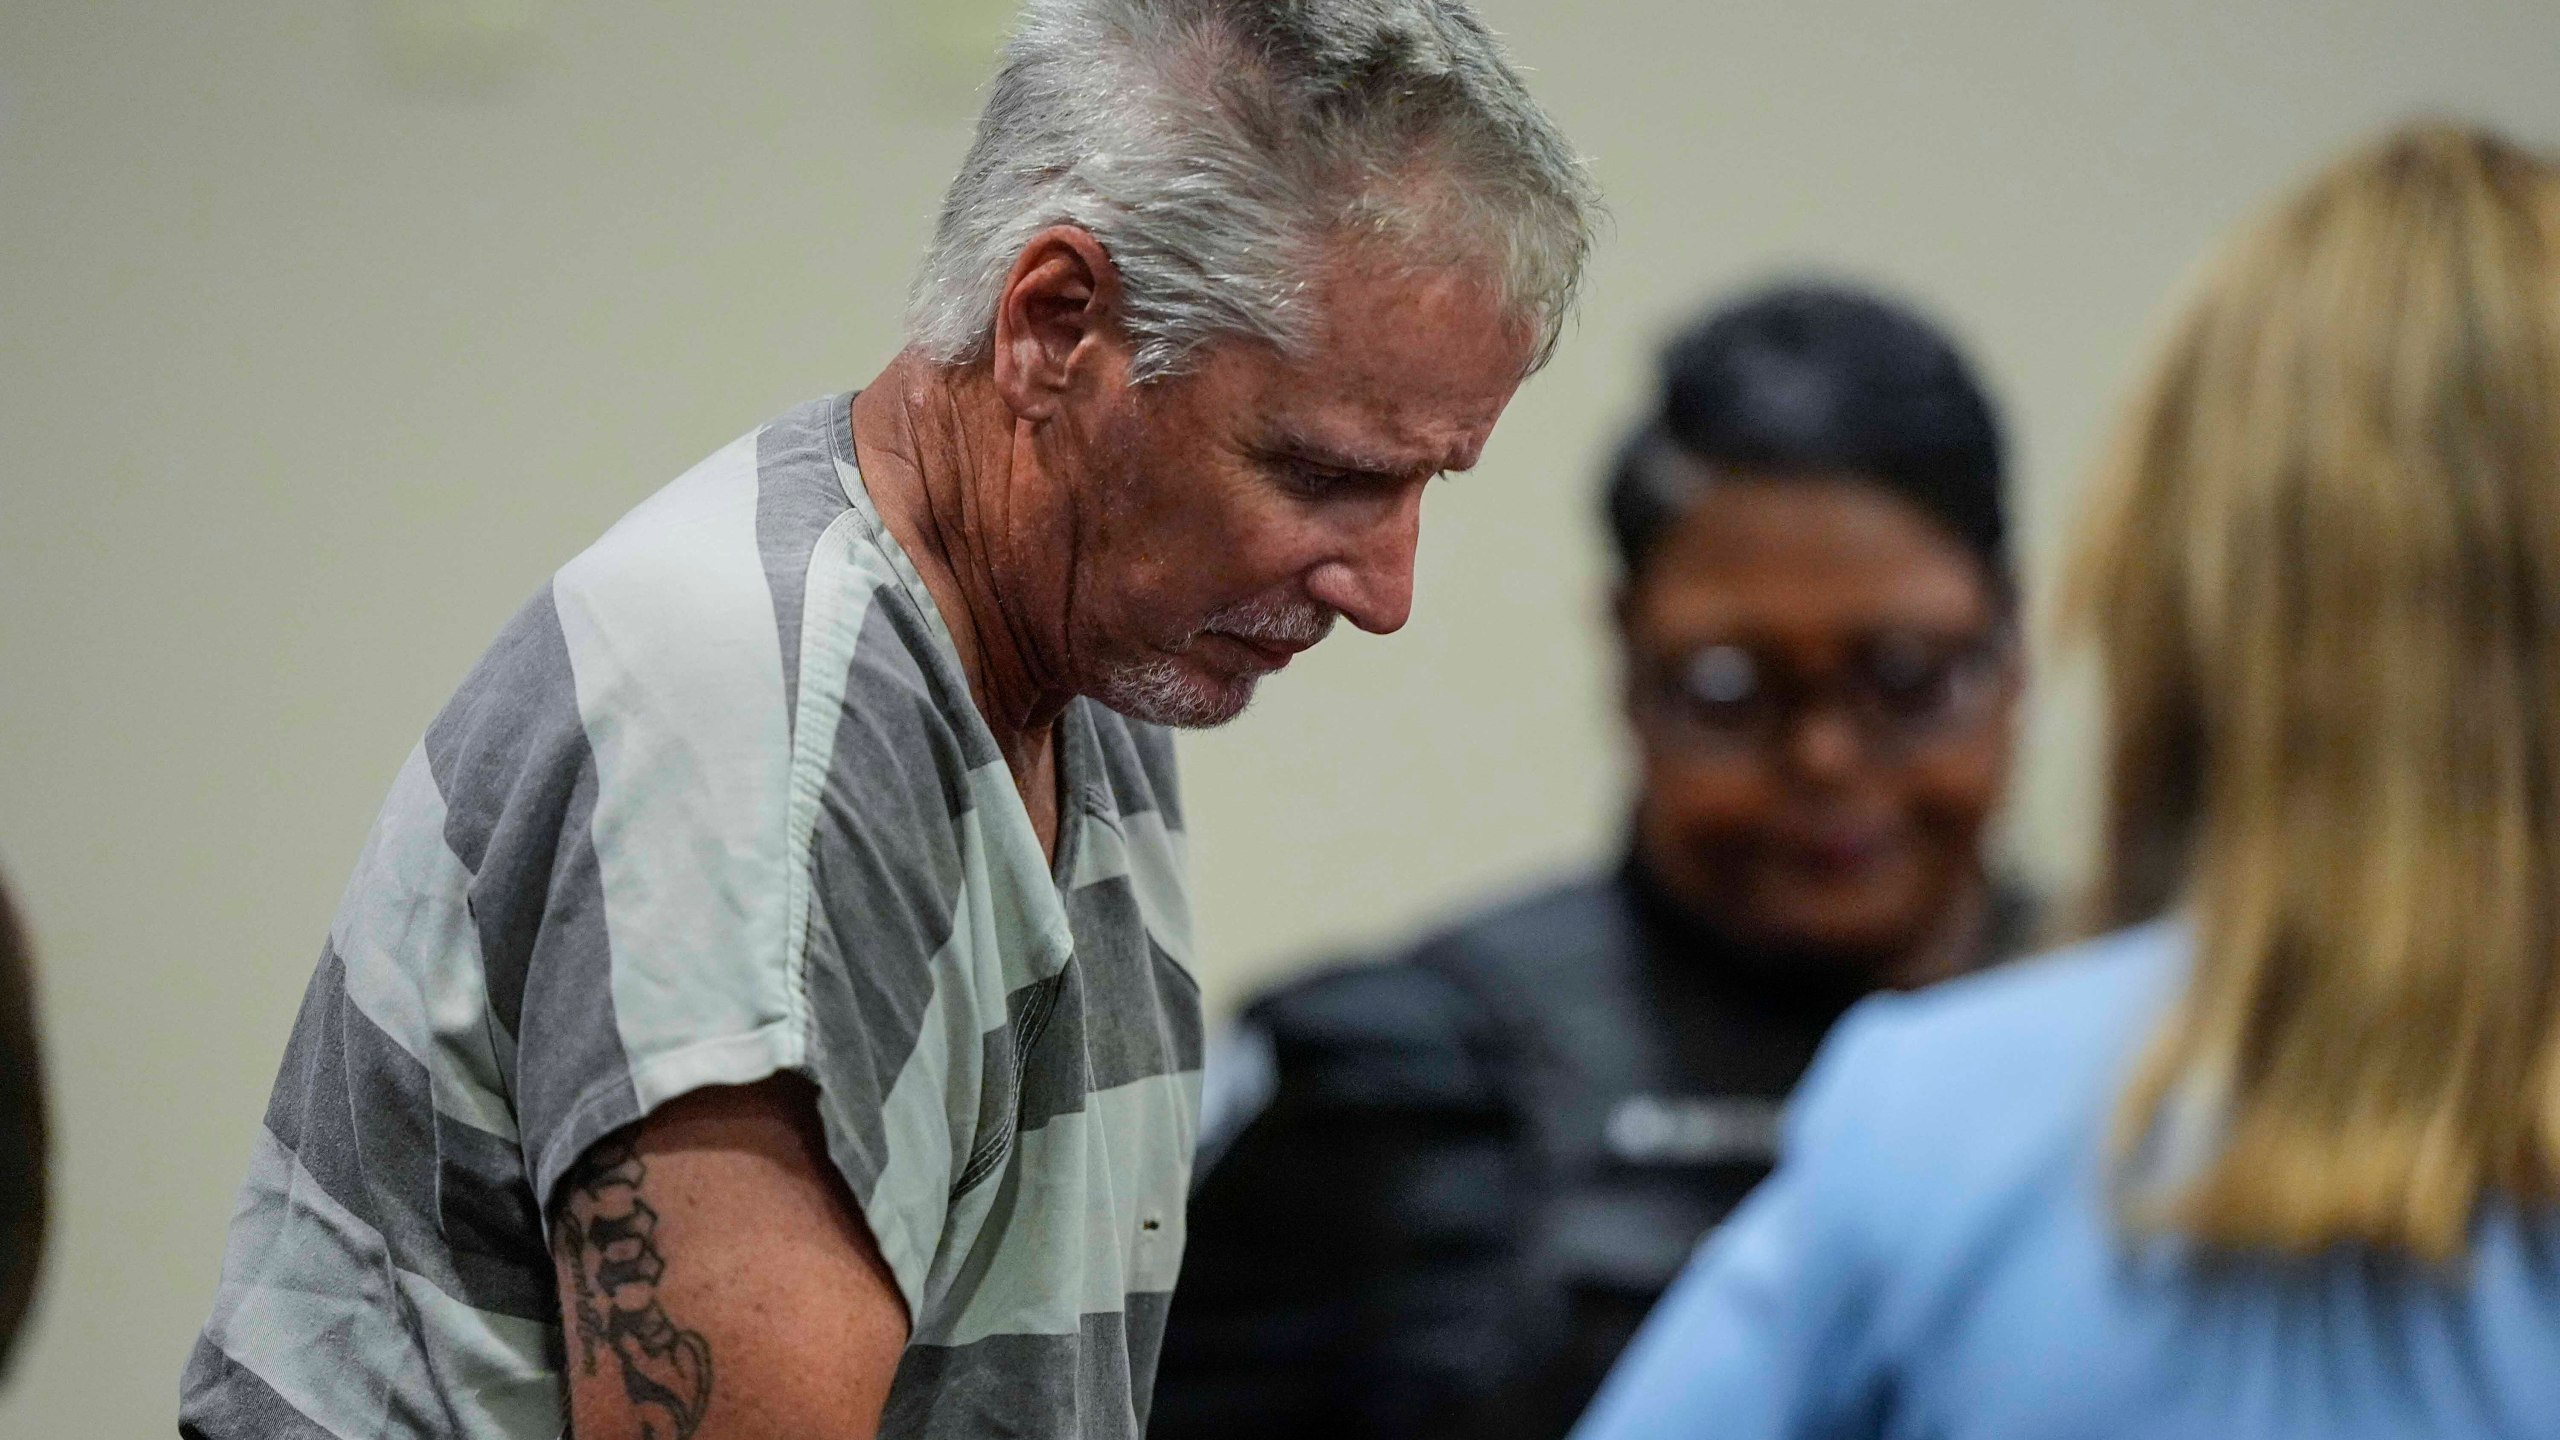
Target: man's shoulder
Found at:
x=754, y=606
x=716, y=566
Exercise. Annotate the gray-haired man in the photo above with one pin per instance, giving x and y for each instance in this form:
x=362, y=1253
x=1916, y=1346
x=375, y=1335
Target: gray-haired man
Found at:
x=760, y=1008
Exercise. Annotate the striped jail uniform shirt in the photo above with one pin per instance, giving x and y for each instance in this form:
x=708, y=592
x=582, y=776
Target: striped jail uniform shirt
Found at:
x=716, y=805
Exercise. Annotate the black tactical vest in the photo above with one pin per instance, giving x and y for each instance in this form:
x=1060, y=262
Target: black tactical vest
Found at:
x=1477, y=1167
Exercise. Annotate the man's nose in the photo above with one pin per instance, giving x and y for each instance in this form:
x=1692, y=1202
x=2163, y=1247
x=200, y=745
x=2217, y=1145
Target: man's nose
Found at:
x=1370, y=583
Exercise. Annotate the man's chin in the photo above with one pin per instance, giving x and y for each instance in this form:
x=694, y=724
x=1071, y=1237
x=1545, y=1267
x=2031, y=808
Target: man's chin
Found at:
x=1169, y=694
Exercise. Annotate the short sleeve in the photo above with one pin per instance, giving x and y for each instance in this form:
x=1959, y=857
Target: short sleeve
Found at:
x=1768, y=1333
x=614, y=778
x=910, y=1033
x=692, y=866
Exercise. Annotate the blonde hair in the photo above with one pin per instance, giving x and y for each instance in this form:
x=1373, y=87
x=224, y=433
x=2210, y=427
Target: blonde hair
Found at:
x=2323, y=580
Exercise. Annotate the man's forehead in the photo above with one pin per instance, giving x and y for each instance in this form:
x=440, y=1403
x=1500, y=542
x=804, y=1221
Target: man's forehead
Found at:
x=1409, y=372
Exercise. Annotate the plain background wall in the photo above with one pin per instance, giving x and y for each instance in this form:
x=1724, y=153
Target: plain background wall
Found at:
x=328, y=330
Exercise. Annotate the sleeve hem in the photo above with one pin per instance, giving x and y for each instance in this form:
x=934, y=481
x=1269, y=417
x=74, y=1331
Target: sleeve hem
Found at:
x=771, y=1049
x=633, y=1094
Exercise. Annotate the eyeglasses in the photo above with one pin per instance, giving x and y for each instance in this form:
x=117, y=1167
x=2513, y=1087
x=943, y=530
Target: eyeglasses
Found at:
x=1902, y=689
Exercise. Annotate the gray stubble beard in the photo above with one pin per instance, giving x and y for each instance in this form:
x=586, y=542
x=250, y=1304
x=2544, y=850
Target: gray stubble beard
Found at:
x=1158, y=691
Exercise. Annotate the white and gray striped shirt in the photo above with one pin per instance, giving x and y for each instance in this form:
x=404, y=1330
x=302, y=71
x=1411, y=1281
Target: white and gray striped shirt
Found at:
x=716, y=805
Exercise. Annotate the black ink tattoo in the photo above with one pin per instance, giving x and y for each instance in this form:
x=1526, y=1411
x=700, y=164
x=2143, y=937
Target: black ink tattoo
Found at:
x=608, y=1237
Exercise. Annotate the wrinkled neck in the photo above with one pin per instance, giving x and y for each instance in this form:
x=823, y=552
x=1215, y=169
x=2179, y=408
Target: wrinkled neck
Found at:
x=947, y=466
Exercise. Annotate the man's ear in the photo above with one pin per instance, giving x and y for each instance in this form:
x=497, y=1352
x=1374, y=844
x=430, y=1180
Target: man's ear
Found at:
x=1057, y=321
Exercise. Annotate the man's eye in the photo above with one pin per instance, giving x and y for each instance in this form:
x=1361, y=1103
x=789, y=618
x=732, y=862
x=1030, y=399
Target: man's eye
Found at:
x=1316, y=479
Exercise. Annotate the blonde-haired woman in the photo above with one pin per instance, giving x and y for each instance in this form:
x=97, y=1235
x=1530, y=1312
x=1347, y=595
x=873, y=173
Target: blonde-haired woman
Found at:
x=2282, y=1158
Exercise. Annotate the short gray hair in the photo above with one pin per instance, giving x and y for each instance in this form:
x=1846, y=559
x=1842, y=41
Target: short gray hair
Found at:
x=1214, y=147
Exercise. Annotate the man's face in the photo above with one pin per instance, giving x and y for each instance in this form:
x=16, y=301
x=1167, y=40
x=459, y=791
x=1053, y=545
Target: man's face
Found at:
x=1226, y=517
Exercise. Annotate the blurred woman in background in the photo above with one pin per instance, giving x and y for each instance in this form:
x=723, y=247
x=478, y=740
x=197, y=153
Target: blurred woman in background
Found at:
x=2284, y=1162
x=1462, y=1176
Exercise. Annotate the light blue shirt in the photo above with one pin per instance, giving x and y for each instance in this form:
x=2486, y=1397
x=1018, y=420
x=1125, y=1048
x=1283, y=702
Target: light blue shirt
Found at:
x=1936, y=1257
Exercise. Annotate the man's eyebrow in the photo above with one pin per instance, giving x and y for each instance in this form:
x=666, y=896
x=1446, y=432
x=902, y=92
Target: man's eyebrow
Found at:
x=1363, y=462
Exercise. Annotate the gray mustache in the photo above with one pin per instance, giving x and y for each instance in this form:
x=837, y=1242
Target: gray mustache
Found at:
x=1274, y=624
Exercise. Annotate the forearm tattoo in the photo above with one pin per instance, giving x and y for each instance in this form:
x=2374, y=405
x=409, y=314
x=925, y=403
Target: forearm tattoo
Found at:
x=607, y=1235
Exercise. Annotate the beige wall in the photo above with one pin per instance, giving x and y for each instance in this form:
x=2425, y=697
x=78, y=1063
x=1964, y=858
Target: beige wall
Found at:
x=327, y=330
